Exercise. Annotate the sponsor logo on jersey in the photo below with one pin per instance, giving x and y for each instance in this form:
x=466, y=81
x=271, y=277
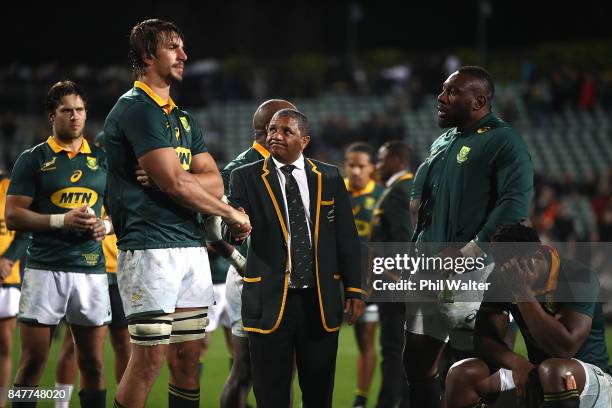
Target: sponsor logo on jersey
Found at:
x=74, y=197
x=50, y=165
x=184, y=156
x=369, y=203
x=483, y=129
x=185, y=124
x=92, y=163
x=76, y=176
x=463, y=154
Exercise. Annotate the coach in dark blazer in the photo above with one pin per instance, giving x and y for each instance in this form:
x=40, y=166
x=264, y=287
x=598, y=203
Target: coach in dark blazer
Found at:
x=303, y=254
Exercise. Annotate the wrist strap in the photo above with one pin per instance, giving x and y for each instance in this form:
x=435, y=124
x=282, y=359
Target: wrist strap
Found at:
x=56, y=221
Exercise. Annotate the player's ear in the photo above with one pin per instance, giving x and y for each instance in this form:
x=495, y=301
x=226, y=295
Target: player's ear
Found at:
x=305, y=141
x=479, y=102
x=51, y=118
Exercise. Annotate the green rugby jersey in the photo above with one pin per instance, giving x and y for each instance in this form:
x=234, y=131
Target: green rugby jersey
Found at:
x=58, y=181
x=253, y=154
x=570, y=285
x=146, y=218
x=476, y=180
x=363, y=203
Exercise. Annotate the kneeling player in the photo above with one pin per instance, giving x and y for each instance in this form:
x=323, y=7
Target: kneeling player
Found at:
x=554, y=302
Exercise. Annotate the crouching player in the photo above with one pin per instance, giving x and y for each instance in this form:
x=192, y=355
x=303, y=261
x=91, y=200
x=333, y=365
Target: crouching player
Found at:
x=554, y=302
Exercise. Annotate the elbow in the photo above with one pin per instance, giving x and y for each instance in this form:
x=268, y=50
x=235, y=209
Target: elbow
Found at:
x=174, y=188
x=10, y=220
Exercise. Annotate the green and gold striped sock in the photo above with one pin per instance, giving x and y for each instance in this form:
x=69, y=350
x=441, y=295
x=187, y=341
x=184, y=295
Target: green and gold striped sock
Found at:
x=182, y=397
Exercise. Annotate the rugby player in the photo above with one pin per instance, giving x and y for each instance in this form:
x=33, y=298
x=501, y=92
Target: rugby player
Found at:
x=56, y=192
x=364, y=192
x=162, y=265
x=554, y=302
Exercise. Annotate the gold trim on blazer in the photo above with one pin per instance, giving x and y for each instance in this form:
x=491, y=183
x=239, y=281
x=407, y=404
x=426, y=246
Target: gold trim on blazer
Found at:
x=287, y=264
x=316, y=242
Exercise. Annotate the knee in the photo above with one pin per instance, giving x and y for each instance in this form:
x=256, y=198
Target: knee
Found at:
x=184, y=360
x=32, y=362
x=551, y=374
x=467, y=373
x=91, y=367
x=6, y=347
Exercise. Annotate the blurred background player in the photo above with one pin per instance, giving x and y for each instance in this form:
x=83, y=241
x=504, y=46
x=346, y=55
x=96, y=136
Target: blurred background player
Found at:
x=13, y=247
x=364, y=192
x=56, y=192
x=392, y=223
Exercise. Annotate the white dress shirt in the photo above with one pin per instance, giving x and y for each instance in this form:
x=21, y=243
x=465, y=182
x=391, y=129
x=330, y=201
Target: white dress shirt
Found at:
x=299, y=174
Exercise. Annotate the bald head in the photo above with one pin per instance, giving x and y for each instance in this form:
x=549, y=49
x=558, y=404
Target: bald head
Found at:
x=264, y=114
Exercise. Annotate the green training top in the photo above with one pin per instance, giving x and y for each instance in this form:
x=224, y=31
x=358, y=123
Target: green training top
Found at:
x=476, y=180
x=419, y=181
x=146, y=218
x=570, y=285
x=363, y=203
x=58, y=181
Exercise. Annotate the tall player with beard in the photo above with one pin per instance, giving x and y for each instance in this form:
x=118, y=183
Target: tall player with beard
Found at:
x=162, y=266
x=479, y=175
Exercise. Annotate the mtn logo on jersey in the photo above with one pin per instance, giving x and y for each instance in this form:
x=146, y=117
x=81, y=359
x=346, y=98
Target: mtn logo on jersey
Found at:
x=184, y=156
x=74, y=197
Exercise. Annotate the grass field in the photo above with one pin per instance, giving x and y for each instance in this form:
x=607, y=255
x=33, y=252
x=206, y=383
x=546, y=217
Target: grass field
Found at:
x=216, y=368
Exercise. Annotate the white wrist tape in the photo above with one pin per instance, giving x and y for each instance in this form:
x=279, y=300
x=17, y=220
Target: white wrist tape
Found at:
x=56, y=221
x=107, y=226
x=237, y=260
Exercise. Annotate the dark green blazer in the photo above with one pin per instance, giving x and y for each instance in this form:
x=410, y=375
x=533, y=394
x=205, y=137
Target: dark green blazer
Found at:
x=255, y=187
x=391, y=220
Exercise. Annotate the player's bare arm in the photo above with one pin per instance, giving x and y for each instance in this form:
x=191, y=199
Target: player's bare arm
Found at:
x=204, y=168
x=19, y=217
x=163, y=167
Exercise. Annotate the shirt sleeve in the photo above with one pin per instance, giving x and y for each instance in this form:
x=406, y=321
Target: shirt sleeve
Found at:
x=198, y=144
x=144, y=126
x=419, y=181
x=23, y=175
x=513, y=177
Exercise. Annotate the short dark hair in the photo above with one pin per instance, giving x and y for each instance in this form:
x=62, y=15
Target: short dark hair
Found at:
x=361, y=147
x=301, y=119
x=525, y=242
x=400, y=150
x=61, y=89
x=482, y=75
x=144, y=40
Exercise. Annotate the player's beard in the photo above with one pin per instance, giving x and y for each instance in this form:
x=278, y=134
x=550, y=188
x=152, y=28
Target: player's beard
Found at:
x=455, y=117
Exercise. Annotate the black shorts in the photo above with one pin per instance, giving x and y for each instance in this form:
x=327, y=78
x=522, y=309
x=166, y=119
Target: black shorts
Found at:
x=119, y=320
